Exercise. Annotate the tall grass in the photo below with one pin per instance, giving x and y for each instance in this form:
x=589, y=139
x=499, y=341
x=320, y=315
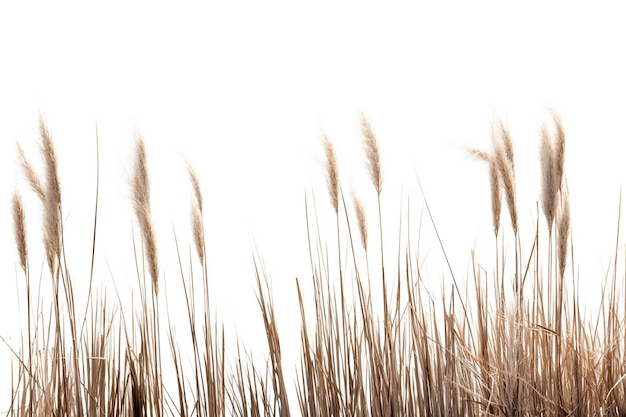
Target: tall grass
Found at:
x=509, y=340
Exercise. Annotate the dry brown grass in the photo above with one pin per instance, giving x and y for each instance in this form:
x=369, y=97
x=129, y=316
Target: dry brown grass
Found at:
x=31, y=175
x=361, y=220
x=494, y=182
x=563, y=230
x=548, y=184
x=552, y=156
x=373, y=155
x=49, y=193
x=19, y=227
x=196, y=214
x=425, y=355
x=332, y=174
x=504, y=161
x=141, y=199
x=52, y=203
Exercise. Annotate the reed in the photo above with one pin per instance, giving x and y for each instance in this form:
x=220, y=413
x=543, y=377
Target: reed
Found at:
x=504, y=161
x=141, y=199
x=19, y=226
x=495, y=185
x=332, y=174
x=472, y=351
x=373, y=155
x=52, y=202
x=196, y=214
x=361, y=220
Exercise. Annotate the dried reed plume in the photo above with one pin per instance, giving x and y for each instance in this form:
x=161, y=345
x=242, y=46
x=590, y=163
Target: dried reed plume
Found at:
x=31, y=175
x=361, y=219
x=52, y=200
x=478, y=154
x=552, y=155
x=494, y=182
x=563, y=229
x=424, y=355
x=332, y=173
x=373, y=154
x=559, y=149
x=19, y=226
x=507, y=143
x=141, y=194
x=196, y=214
x=198, y=232
x=504, y=162
x=496, y=195
x=196, y=186
x=548, y=174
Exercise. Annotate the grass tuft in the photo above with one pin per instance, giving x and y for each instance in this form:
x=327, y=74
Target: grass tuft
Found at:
x=400, y=350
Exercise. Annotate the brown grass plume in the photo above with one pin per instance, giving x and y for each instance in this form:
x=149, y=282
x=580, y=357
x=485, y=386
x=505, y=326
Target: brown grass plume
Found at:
x=504, y=161
x=494, y=182
x=552, y=157
x=361, y=220
x=19, y=226
x=563, y=230
x=196, y=213
x=31, y=175
x=373, y=154
x=332, y=173
x=141, y=199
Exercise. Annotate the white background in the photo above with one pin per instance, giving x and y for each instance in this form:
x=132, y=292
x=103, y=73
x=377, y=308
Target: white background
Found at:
x=244, y=91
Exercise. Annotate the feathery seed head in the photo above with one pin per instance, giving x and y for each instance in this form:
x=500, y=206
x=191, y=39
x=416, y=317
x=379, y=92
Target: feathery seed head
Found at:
x=507, y=143
x=373, y=154
x=30, y=174
x=196, y=186
x=503, y=157
x=52, y=204
x=332, y=174
x=559, y=150
x=496, y=195
x=563, y=230
x=196, y=213
x=141, y=194
x=478, y=154
x=141, y=181
x=552, y=155
x=548, y=177
x=361, y=219
x=198, y=232
x=19, y=226
x=494, y=182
